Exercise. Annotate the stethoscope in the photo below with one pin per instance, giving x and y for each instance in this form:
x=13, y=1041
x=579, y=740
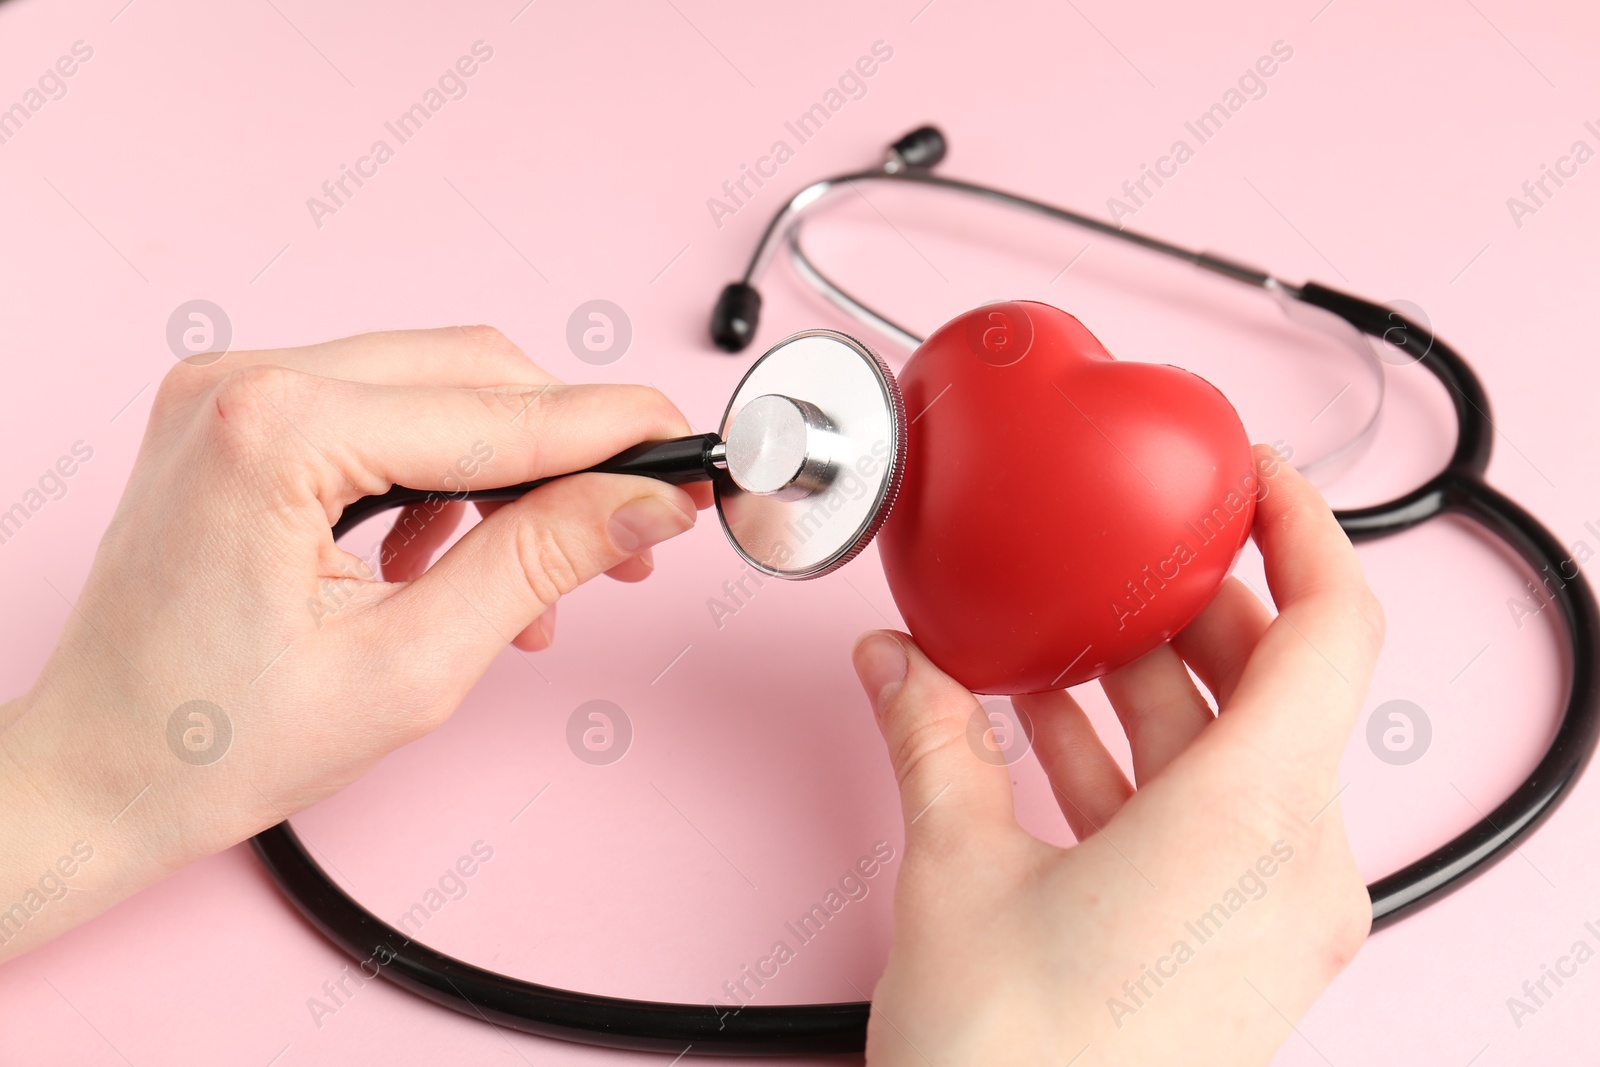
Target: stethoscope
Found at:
x=820, y=405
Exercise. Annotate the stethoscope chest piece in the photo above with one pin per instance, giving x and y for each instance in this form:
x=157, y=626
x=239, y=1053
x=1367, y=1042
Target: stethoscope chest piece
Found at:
x=814, y=445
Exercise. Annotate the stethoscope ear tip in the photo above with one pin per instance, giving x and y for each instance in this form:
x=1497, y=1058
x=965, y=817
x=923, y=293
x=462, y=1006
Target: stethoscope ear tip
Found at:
x=738, y=309
x=922, y=148
x=736, y=316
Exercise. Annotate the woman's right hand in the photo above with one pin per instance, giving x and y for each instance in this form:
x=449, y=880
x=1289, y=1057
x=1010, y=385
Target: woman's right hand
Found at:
x=226, y=664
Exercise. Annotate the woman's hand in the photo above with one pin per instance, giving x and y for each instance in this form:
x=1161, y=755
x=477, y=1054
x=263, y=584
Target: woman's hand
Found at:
x=1200, y=915
x=227, y=665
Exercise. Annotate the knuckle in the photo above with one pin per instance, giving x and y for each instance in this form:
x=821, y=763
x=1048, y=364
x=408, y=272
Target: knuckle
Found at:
x=920, y=744
x=485, y=338
x=250, y=405
x=1334, y=908
x=649, y=409
x=662, y=410
x=549, y=566
x=527, y=409
x=178, y=390
x=1369, y=613
x=493, y=347
x=525, y=405
x=1351, y=923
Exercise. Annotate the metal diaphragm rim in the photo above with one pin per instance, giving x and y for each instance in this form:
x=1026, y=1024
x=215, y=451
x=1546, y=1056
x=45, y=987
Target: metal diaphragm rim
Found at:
x=855, y=390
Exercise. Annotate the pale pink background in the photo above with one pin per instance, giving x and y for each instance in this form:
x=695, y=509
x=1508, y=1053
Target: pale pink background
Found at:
x=1380, y=159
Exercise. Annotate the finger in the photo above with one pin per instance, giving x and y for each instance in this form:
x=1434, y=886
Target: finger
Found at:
x=1218, y=643
x=1088, y=785
x=512, y=567
x=946, y=791
x=1160, y=708
x=539, y=634
x=632, y=570
x=418, y=532
x=636, y=569
x=1306, y=554
x=701, y=493
x=355, y=439
x=466, y=356
x=1304, y=685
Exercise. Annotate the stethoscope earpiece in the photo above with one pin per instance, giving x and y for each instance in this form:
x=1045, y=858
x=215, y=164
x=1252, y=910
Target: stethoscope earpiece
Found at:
x=735, y=317
x=737, y=312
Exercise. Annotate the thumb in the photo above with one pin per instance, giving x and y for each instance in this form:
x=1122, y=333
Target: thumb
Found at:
x=928, y=722
x=512, y=567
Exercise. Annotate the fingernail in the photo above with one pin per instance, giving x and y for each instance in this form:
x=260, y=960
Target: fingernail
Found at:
x=881, y=664
x=648, y=558
x=547, y=624
x=647, y=521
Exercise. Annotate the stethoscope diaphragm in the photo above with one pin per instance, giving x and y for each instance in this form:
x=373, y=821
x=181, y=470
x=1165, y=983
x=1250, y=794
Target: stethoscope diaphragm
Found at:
x=814, y=446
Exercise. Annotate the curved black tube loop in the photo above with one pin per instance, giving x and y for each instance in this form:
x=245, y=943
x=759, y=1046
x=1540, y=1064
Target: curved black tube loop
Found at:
x=1460, y=488
x=824, y=1028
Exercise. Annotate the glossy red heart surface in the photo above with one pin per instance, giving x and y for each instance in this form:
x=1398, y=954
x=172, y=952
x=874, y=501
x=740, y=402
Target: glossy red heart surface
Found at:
x=1062, y=513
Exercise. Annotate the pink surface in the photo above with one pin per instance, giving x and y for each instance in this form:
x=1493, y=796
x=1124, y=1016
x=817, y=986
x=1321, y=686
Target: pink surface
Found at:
x=578, y=166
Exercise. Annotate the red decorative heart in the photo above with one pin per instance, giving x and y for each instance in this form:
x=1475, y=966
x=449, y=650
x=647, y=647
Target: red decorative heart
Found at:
x=1062, y=513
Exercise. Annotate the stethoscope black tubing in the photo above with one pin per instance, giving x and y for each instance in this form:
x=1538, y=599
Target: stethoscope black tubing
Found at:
x=827, y=1028
x=588, y=1018
x=1460, y=489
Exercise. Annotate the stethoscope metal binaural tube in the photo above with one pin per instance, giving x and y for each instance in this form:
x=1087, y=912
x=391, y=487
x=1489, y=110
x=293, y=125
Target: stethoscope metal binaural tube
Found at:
x=908, y=162
x=1459, y=488
x=677, y=1029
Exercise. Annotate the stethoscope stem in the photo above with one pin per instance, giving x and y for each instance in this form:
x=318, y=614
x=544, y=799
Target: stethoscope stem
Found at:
x=677, y=461
x=817, y=412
